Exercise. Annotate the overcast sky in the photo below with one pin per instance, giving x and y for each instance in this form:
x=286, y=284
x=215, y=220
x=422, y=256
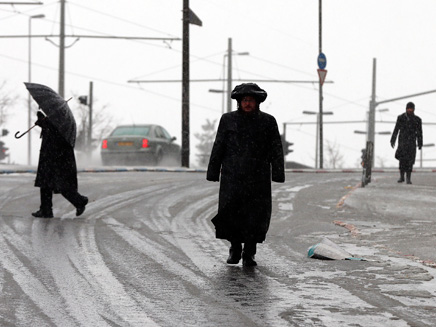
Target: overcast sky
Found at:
x=282, y=39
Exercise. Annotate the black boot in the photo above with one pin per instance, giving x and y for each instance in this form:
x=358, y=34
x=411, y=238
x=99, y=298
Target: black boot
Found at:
x=45, y=209
x=248, y=260
x=43, y=214
x=248, y=255
x=401, y=176
x=234, y=253
x=80, y=209
x=408, y=175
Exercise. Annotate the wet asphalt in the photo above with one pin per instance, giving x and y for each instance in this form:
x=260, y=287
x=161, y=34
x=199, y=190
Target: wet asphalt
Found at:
x=144, y=254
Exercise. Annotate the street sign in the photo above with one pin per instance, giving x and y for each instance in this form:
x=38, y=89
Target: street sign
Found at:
x=322, y=74
x=322, y=61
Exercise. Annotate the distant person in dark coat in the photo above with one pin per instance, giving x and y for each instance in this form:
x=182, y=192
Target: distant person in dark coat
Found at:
x=410, y=128
x=248, y=154
x=57, y=172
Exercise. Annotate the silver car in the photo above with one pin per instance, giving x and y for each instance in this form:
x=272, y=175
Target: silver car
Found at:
x=138, y=145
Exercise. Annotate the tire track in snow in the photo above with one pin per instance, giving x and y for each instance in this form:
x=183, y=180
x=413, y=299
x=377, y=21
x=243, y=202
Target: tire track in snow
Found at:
x=38, y=293
x=199, y=292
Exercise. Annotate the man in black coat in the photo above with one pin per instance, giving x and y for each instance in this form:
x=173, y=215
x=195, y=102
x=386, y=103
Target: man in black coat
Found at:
x=410, y=128
x=57, y=171
x=248, y=154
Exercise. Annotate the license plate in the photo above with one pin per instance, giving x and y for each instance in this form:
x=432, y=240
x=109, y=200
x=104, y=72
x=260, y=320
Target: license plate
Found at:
x=125, y=143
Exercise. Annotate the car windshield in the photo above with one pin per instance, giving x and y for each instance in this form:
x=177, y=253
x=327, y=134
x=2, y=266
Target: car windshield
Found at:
x=131, y=130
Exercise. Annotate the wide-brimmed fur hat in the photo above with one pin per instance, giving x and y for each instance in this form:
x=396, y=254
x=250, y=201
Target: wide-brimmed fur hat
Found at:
x=251, y=89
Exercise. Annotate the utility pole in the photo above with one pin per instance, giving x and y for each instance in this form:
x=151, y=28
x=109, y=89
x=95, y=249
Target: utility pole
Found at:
x=185, y=86
x=29, y=99
x=61, y=81
x=321, y=158
x=91, y=90
x=371, y=113
x=229, y=76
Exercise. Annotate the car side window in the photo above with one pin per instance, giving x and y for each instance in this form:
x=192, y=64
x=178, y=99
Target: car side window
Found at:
x=167, y=135
x=158, y=132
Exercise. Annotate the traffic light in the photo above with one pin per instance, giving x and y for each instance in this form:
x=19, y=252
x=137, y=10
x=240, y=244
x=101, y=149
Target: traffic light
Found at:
x=83, y=99
x=3, y=150
x=5, y=132
x=286, y=145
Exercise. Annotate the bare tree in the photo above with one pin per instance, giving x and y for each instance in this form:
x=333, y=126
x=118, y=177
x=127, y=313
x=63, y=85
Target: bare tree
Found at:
x=334, y=158
x=206, y=139
x=6, y=100
x=102, y=124
x=381, y=162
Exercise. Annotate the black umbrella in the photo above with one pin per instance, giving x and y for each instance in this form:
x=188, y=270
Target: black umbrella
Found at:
x=56, y=109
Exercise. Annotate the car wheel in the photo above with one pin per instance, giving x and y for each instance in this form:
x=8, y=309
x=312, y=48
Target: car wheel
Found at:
x=158, y=158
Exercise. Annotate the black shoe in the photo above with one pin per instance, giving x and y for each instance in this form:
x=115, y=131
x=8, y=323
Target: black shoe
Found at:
x=248, y=261
x=401, y=176
x=42, y=214
x=81, y=209
x=234, y=256
x=408, y=177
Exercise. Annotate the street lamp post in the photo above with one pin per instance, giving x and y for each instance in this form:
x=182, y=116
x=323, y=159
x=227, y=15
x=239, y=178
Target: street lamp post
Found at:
x=229, y=55
x=424, y=145
x=317, y=130
x=222, y=100
x=321, y=98
x=29, y=101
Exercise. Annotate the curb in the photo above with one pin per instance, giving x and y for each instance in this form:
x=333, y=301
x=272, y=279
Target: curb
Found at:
x=140, y=169
x=357, y=170
x=109, y=170
x=204, y=170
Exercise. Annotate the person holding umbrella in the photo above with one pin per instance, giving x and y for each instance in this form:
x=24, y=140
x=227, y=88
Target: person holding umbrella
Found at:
x=247, y=154
x=57, y=171
x=410, y=128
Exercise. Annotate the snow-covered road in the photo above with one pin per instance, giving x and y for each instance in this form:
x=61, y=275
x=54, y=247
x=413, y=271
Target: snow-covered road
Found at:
x=144, y=254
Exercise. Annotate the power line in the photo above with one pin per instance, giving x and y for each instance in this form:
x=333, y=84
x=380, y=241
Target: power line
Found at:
x=118, y=18
x=328, y=122
x=20, y=3
x=179, y=65
x=281, y=65
x=92, y=37
x=221, y=79
x=351, y=122
x=124, y=85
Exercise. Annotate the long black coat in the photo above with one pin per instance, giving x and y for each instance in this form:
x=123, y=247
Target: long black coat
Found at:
x=57, y=164
x=410, y=129
x=248, y=153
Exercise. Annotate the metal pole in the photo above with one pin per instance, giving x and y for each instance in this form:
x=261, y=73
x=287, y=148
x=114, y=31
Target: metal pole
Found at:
x=62, y=51
x=29, y=100
x=316, y=141
x=229, y=76
x=185, y=86
x=91, y=91
x=406, y=96
x=284, y=131
x=371, y=113
x=321, y=159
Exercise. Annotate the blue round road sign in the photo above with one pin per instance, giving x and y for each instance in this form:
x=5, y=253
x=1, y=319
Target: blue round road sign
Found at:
x=322, y=61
